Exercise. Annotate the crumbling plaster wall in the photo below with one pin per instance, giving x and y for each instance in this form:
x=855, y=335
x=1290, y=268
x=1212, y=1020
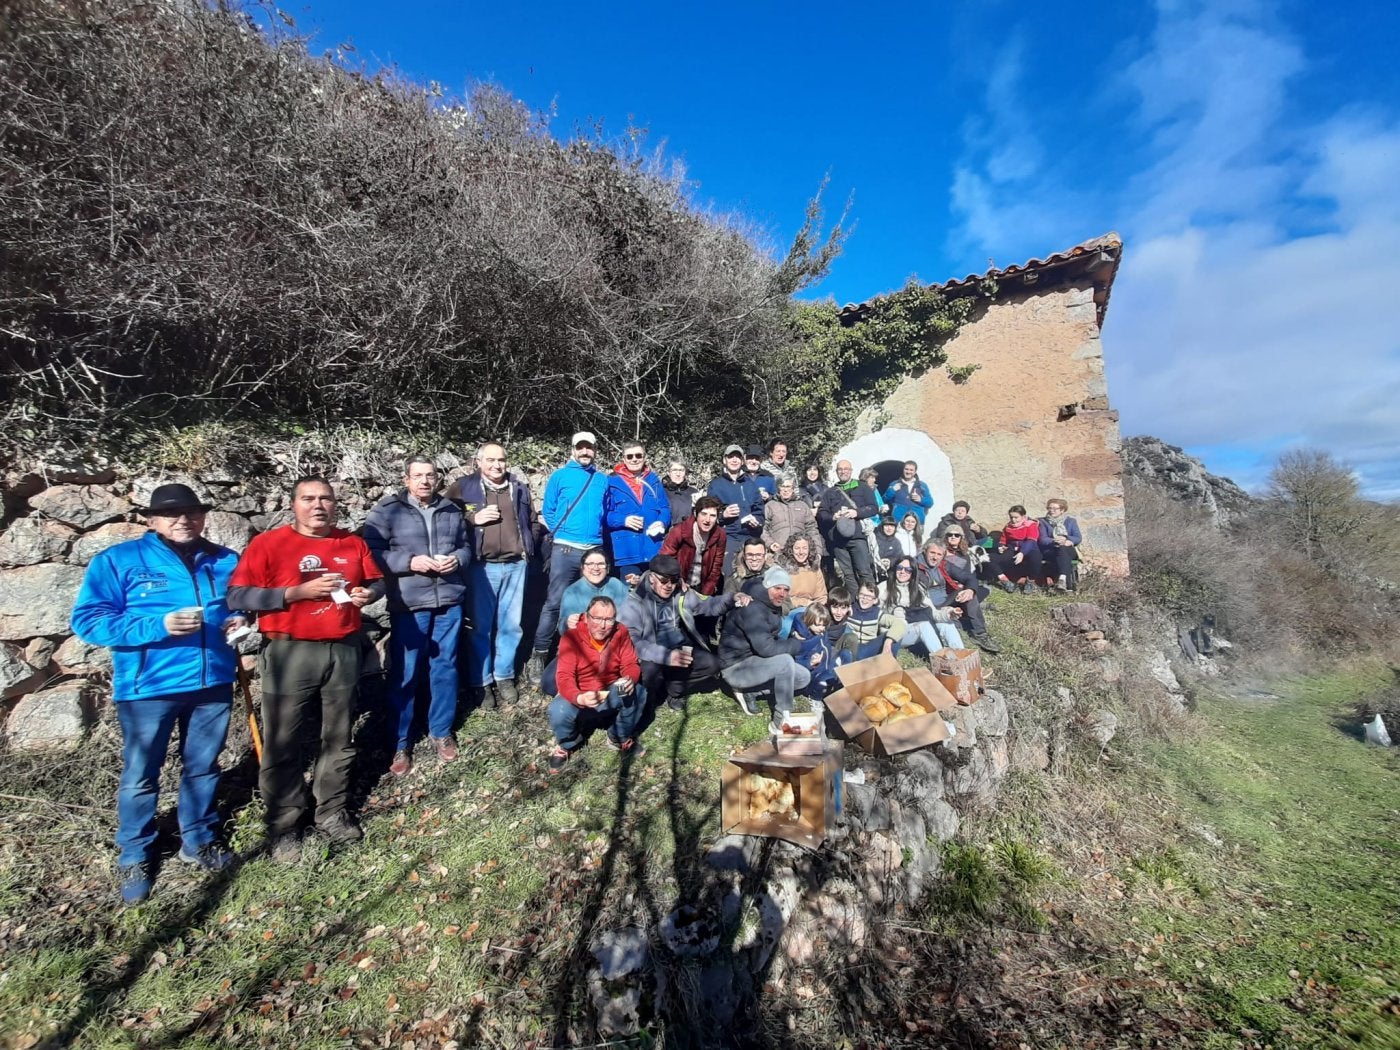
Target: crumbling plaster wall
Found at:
x=1039, y=351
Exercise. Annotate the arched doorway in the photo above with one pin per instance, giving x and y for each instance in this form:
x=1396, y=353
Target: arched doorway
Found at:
x=886, y=450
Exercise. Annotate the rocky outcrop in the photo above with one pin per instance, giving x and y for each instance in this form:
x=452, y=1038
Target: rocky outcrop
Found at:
x=1184, y=478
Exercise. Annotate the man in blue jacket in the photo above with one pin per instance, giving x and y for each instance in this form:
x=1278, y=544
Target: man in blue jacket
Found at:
x=159, y=603
x=636, y=513
x=907, y=494
x=742, y=513
x=419, y=540
x=573, y=513
x=497, y=505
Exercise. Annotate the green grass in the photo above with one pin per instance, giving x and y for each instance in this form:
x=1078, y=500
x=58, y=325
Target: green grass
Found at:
x=1288, y=934
x=466, y=911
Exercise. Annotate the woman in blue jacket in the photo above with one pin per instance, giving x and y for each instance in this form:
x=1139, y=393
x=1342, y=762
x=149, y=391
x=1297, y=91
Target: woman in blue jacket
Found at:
x=158, y=602
x=636, y=513
x=1059, y=540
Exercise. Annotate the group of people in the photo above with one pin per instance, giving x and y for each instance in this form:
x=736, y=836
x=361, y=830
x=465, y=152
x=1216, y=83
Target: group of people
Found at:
x=765, y=582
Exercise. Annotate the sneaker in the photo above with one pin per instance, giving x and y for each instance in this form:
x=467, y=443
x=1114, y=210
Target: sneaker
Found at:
x=630, y=746
x=286, y=849
x=402, y=763
x=340, y=828
x=1029, y=587
x=506, y=693
x=985, y=644
x=446, y=748
x=1062, y=584
x=1008, y=586
x=745, y=704
x=559, y=758
x=135, y=882
x=210, y=856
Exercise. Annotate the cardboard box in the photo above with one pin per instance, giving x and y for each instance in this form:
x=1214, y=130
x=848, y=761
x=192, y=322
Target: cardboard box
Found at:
x=864, y=677
x=809, y=737
x=960, y=672
x=815, y=781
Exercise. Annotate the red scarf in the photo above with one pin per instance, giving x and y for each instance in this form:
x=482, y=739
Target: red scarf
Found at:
x=634, y=481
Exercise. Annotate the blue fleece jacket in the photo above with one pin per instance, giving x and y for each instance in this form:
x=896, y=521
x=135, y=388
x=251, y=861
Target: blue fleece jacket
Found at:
x=631, y=547
x=584, y=525
x=122, y=604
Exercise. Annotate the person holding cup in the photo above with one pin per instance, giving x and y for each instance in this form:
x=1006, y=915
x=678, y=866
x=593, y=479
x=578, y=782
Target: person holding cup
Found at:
x=159, y=603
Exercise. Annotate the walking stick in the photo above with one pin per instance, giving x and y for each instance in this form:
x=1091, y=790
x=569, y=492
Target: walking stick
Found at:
x=246, y=688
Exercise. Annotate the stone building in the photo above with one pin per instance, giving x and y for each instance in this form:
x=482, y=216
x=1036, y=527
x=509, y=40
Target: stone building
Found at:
x=1033, y=420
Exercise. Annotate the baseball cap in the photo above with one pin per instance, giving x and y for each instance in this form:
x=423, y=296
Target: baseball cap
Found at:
x=734, y=450
x=584, y=437
x=753, y=452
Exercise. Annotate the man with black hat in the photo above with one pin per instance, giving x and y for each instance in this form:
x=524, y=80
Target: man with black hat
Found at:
x=308, y=582
x=660, y=617
x=159, y=603
x=741, y=512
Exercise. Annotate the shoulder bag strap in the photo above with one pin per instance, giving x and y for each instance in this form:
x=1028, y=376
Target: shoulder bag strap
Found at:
x=582, y=492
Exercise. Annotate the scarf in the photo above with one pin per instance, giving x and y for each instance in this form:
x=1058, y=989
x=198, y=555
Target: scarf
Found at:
x=634, y=480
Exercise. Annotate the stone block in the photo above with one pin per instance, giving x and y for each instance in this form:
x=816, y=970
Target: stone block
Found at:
x=75, y=656
x=17, y=675
x=37, y=600
x=866, y=807
x=91, y=544
x=1092, y=466
x=991, y=715
x=1101, y=726
x=228, y=530
x=1082, y=616
x=47, y=720
x=31, y=541
x=940, y=819
x=1031, y=751
x=38, y=654
x=81, y=506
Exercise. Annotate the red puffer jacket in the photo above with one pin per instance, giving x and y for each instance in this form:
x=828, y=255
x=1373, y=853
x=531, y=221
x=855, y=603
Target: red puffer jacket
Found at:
x=585, y=668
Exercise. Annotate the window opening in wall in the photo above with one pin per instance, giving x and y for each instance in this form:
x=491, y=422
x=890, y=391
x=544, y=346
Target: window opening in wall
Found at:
x=1068, y=412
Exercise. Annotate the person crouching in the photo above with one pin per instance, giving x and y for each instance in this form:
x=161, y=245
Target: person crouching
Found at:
x=598, y=685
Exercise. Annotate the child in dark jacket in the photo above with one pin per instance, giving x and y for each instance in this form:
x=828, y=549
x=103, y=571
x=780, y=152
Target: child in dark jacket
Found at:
x=819, y=650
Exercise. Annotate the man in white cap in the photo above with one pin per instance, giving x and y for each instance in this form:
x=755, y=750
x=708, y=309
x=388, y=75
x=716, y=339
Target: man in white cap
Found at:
x=572, y=511
x=751, y=653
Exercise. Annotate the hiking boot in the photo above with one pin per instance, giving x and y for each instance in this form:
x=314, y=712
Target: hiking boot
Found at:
x=483, y=697
x=629, y=747
x=534, y=670
x=506, y=693
x=559, y=758
x=340, y=828
x=286, y=849
x=745, y=704
x=985, y=644
x=135, y=881
x=446, y=748
x=210, y=856
x=402, y=764
x=1008, y=586
x=1062, y=584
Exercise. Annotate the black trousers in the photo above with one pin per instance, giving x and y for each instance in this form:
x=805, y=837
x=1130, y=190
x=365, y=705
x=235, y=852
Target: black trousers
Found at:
x=1030, y=567
x=664, y=682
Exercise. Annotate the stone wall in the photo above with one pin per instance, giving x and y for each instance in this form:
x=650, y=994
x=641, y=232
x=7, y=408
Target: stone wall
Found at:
x=1033, y=421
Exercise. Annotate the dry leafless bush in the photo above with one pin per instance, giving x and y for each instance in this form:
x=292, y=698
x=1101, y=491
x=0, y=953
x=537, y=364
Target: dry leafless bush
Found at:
x=200, y=220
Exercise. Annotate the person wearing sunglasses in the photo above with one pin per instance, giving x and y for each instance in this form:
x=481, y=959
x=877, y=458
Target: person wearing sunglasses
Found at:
x=927, y=625
x=636, y=513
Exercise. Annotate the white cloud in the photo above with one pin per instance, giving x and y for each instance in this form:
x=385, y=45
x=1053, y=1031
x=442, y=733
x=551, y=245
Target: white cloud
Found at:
x=1256, y=303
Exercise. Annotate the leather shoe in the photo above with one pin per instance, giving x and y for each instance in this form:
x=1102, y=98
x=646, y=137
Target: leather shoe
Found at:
x=446, y=748
x=403, y=762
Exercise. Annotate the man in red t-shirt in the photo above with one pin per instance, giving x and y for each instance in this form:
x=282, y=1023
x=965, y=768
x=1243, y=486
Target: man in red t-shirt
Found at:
x=599, y=684
x=307, y=582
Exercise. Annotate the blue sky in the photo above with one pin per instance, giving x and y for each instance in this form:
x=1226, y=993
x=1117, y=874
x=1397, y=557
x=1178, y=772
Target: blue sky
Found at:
x=1249, y=154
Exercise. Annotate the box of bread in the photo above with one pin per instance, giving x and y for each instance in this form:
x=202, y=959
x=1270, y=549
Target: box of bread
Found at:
x=777, y=794
x=886, y=708
x=960, y=672
x=799, y=733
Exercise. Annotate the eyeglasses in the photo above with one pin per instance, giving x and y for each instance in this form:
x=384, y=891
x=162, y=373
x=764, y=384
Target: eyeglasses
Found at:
x=634, y=455
x=603, y=620
x=595, y=565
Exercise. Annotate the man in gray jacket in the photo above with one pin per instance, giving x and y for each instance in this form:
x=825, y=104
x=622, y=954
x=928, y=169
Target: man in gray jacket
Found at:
x=419, y=540
x=660, y=617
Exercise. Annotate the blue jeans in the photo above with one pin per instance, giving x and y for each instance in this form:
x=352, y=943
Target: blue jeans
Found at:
x=495, y=596
x=146, y=728
x=424, y=636
x=565, y=566
x=932, y=636
x=570, y=724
